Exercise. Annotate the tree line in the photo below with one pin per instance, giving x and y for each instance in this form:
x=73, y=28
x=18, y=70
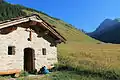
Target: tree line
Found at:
x=8, y=11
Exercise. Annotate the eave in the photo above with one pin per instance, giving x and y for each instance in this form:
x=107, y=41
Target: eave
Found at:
x=35, y=18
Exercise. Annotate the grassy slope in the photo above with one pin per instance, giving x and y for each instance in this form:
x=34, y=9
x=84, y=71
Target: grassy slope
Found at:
x=72, y=35
x=63, y=75
x=67, y=30
x=83, y=52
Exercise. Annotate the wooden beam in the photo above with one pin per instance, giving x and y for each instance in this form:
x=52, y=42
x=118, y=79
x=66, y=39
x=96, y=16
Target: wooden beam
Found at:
x=32, y=23
x=46, y=32
x=15, y=22
x=30, y=35
x=53, y=31
x=41, y=34
x=28, y=30
x=58, y=41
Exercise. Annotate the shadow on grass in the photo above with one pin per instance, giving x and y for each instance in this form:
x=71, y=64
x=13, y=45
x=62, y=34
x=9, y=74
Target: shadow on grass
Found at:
x=106, y=75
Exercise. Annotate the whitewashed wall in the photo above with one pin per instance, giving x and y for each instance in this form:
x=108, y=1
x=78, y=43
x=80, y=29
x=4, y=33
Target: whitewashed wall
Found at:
x=18, y=38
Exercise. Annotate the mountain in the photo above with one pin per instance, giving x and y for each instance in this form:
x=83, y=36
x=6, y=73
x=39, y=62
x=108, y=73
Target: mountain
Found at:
x=108, y=31
x=104, y=26
x=80, y=53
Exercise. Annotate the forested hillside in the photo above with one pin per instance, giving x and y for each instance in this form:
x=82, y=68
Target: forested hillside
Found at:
x=81, y=56
x=8, y=11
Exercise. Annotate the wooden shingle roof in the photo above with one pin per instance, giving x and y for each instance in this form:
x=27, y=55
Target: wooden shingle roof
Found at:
x=35, y=18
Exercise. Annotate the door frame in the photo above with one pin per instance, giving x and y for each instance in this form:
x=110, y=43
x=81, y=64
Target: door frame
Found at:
x=29, y=59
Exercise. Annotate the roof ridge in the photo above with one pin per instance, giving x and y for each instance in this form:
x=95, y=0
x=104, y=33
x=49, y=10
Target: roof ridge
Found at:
x=11, y=19
x=18, y=20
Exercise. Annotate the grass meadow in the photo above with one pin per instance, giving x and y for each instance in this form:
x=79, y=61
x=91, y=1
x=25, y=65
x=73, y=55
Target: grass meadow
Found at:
x=87, y=62
x=100, y=61
x=81, y=58
x=84, y=62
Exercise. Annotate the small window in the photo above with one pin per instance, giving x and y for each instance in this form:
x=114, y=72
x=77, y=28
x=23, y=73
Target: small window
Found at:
x=11, y=50
x=44, y=51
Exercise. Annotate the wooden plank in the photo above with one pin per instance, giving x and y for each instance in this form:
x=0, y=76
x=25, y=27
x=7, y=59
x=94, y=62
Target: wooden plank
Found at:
x=10, y=71
x=30, y=35
x=13, y=23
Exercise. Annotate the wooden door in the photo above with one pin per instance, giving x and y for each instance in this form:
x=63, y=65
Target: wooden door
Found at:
x=29, y=59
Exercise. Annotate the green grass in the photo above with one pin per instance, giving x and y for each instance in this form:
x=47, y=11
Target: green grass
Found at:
x=82, y=75
x=86, y=62
x=69, y=75
x=5, y=77
x=95, y=61
x=62, y=75
x=82, y=58
x=68, y=31
x=90, y=55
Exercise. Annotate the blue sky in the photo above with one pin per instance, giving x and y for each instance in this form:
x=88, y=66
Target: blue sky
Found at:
x=83, y=14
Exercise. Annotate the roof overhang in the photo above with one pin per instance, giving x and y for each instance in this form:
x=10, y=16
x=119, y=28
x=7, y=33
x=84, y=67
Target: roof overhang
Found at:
x=35, y=18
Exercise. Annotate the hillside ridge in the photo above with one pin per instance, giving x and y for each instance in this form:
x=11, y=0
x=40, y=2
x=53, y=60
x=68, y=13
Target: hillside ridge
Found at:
x=8, y=11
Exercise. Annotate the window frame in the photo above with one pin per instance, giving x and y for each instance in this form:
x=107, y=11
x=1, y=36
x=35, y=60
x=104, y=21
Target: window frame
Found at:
x=11, y=50
x=44, y=51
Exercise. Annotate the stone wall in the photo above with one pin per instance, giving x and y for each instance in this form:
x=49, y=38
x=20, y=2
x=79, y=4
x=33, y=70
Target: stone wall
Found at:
x=18, y=38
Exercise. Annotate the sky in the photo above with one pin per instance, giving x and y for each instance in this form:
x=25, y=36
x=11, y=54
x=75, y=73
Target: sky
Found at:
x=83, y=14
